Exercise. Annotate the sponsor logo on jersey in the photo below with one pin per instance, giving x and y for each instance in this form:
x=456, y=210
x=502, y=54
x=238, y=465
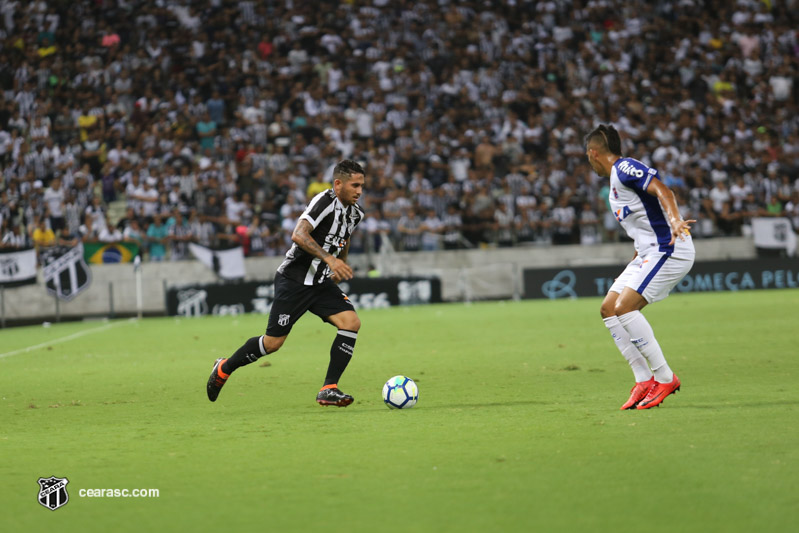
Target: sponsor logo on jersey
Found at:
x=629, y=169
x=622, y=213
x=335, y=240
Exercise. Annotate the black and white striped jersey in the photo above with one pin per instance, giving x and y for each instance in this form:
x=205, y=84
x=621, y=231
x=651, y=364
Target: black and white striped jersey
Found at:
x=333, y=223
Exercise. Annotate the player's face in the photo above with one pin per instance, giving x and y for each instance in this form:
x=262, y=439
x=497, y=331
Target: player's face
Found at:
x=350, y=190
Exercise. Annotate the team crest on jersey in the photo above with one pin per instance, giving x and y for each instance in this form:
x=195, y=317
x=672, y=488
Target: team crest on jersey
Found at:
x=283, y=320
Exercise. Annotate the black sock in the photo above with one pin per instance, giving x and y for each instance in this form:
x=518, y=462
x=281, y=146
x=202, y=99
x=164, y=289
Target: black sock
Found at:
x=248, y=353
x=340, y=355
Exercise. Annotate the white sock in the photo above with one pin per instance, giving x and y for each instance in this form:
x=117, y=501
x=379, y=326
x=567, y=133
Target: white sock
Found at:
x=643, y=338
x=627, y=349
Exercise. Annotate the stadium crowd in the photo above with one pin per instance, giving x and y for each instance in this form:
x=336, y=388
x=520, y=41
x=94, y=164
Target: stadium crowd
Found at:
x=169, y=121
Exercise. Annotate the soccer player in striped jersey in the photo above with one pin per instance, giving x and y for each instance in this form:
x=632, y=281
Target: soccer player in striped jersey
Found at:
x=664, y=253
x=307, y=281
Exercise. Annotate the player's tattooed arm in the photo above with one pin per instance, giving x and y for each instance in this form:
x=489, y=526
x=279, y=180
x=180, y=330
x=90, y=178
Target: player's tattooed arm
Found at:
x=302, y=236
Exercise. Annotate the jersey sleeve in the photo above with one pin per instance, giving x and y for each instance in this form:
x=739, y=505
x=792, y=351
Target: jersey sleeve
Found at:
x=360, y=214
x=635, y=174
x=321, y=205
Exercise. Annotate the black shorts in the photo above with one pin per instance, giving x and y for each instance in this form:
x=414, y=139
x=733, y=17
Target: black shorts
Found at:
x=293, y=299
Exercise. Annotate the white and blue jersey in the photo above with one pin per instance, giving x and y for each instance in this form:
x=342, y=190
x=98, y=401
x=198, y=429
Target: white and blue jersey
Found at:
x=640, y=213
x=658, y=266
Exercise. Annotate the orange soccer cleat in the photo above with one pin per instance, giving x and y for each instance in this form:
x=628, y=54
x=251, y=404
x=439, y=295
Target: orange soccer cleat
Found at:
x=217, y=380
x=638, y=393
x=659, y=392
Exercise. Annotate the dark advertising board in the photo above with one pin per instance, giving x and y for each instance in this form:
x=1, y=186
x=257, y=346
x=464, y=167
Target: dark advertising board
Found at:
x=706, y=276
x=257, y=296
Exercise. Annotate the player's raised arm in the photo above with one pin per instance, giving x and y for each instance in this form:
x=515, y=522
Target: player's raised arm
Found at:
x=679, y=227
x=302, y=236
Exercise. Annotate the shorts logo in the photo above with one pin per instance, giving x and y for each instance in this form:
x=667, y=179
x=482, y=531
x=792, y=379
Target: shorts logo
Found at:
x=283, y=320
x=53, y=492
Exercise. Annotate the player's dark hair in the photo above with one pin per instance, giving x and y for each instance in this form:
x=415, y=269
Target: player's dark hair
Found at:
x=607, y=137
x=346, y=168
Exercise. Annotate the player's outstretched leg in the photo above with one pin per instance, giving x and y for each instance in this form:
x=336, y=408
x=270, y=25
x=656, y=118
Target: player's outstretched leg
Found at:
x=248, y=353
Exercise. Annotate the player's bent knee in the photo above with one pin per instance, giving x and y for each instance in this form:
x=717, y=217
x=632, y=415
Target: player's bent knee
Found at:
x=347, y=320
x=609, y=304
x=607, y=311
x=350, y=324
x=622, y=309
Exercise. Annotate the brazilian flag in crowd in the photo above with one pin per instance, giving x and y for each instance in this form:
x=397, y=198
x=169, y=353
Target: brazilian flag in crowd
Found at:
x=110, y=252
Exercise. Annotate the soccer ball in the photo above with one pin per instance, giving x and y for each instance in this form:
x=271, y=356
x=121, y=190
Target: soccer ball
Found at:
x=400, y=392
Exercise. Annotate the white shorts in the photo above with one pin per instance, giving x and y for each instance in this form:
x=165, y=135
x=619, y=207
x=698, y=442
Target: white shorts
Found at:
x=653, y=275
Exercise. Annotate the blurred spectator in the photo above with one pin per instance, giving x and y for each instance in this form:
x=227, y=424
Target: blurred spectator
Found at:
x=157, y=234
x=15, y=238
x=565, y=219
x=589, y=225
x=452, y=224
x=431, y=231
x=42, y=235
x=410, y=231
x=133, y=233
x=483, y=103
x=179, y=236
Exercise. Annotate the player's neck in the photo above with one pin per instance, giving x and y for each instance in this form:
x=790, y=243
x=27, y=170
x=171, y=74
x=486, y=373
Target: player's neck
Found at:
x=608, y=161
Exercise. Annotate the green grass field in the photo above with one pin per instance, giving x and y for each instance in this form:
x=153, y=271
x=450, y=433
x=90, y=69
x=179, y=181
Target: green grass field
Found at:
x=517, y=427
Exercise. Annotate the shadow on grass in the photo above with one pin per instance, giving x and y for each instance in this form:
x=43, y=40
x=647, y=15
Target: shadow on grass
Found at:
x=728, y=405
x=457, y=407
x=513, y=403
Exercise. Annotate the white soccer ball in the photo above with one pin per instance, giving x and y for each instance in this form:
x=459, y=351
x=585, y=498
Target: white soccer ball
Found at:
x=400, y=392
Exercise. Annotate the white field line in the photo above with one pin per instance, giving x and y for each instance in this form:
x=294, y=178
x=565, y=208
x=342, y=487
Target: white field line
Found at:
x=63, y=339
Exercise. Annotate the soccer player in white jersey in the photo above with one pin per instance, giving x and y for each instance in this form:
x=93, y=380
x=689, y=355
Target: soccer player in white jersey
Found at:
x=664, y=253
x=307, y=281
